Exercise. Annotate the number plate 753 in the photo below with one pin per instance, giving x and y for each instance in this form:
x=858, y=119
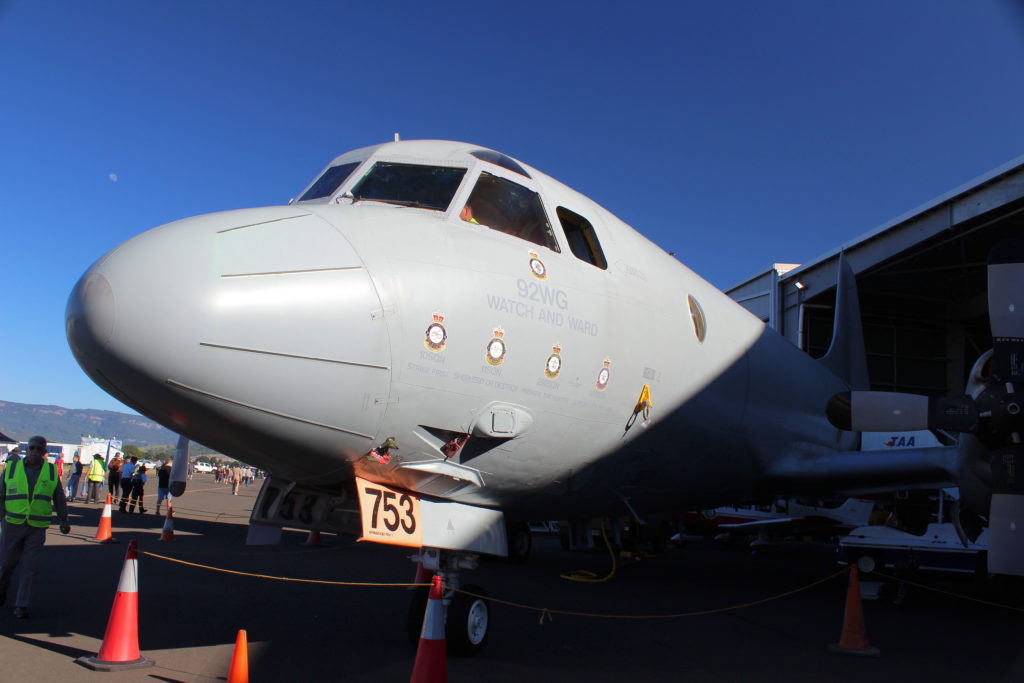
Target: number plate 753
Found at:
x=389, y=515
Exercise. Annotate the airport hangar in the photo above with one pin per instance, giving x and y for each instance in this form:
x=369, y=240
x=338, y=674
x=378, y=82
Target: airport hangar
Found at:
x=922, y=284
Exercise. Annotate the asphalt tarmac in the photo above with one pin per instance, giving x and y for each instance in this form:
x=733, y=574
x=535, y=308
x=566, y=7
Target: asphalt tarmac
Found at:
x=189, y=616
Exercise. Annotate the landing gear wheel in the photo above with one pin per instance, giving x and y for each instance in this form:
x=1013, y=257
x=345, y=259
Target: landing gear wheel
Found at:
x=520, y=541
x=866, y=564
x=468, y=622
x=417, y=609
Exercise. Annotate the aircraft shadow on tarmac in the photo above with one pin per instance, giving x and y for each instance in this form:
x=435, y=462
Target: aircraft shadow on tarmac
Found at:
x=323, y=632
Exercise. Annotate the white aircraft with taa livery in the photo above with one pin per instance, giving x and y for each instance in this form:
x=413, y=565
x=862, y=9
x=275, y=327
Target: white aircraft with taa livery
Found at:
x=436, y=343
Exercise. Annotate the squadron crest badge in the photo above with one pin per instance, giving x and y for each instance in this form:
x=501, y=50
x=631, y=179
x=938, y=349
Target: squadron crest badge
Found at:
x=496, y=348
x=604, y=375
x=554, y=363
x=537, y=266
x=437, y=335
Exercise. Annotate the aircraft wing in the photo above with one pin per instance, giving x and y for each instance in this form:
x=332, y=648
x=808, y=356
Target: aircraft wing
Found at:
x=809, y=524
x=854, y=472
x=761, y=523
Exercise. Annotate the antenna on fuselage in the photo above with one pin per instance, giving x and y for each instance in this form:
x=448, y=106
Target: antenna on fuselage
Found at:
x=397, y=139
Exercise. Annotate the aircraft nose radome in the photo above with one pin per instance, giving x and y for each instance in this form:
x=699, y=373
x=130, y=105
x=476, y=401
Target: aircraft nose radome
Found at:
x=264, y=317
x=90, y=314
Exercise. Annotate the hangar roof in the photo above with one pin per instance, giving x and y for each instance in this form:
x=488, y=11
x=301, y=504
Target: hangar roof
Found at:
x=922, y=282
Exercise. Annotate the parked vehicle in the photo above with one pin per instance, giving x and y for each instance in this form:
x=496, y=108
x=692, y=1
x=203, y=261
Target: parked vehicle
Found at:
x=938, y=548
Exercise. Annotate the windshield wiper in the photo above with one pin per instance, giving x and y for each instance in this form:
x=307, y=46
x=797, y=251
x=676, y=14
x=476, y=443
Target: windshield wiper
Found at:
x=400, y=202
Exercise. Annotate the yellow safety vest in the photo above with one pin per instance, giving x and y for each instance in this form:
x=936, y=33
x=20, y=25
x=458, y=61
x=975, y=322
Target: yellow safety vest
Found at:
x=35, y=507
x=96, y=470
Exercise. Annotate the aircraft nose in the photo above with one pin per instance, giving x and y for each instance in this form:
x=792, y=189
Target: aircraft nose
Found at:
x=264, y=319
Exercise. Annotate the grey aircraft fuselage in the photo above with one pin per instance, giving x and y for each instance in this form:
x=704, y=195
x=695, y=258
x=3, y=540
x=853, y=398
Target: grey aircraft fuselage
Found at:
x=298, y=338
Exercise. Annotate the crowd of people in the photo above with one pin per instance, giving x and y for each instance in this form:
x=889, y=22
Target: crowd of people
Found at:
x=236, y=475
x=125, y=478
x=35, y=486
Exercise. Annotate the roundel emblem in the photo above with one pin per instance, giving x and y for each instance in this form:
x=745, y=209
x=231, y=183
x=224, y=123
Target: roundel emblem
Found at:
x=496, y=348
x=436, y=335
x=554, y=363
x=554, y=366
x=537, y=266
x=603, y=376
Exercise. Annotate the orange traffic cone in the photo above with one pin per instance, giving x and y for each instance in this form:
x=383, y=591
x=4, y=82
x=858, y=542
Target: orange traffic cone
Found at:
x=431, y=661
x=168, y=533
x=104, y=533
x=120, y=648
x=239, y=671
x=854, y=639
x=313, y=538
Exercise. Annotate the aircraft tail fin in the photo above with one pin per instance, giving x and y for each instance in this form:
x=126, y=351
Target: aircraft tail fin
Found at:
x=846, y=357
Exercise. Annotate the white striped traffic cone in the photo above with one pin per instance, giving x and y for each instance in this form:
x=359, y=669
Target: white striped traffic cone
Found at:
x=431, y=658
x=120, y=648
x=168, y=532
x=104, y=532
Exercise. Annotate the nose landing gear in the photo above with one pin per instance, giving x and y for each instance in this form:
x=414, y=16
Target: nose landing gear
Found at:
x=466, y=610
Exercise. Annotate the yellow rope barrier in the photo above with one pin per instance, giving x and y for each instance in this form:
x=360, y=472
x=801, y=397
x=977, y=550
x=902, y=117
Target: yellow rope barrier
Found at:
x=546, y=613
x=949, y=593
x=281, y=578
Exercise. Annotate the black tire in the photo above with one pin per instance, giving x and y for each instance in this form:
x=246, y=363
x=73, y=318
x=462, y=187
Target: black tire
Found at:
x=520, y=541
x=868, y=563
x=417, y=609
x=468, y=622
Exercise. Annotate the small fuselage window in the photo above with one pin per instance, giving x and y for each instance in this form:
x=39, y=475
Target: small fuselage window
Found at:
x=582, y=238
x=425, y=187
x=700, y=322
x=510, y=208
x=329, y=181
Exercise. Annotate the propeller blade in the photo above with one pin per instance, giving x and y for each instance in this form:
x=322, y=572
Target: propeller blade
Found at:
x=887, y=411
x=180, y=467
x=1006, y=310
x=1006, y=534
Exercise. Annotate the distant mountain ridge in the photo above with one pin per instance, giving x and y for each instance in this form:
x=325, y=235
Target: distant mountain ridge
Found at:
x=68, y=425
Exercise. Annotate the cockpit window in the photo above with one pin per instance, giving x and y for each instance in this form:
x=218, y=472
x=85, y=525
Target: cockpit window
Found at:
x=330, y=181
x=426, y=187
x=582, y=238
x=499, y=159
x=508, y=207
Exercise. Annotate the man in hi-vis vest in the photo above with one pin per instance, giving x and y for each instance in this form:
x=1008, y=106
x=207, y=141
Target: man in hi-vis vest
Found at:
x=29, y=491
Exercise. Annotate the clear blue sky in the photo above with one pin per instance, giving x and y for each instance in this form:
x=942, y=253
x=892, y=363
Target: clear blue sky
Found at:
x=736, y=134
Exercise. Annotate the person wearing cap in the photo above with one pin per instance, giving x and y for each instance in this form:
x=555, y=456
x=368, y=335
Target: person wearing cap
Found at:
x=127, y=472
x=97, y=473
x=138, y=489
x=29, y=493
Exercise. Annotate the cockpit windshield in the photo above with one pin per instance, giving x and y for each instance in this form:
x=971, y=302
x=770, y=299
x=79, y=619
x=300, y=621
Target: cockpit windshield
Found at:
x=510, y=208
x=426, y=187
x=330, y=181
